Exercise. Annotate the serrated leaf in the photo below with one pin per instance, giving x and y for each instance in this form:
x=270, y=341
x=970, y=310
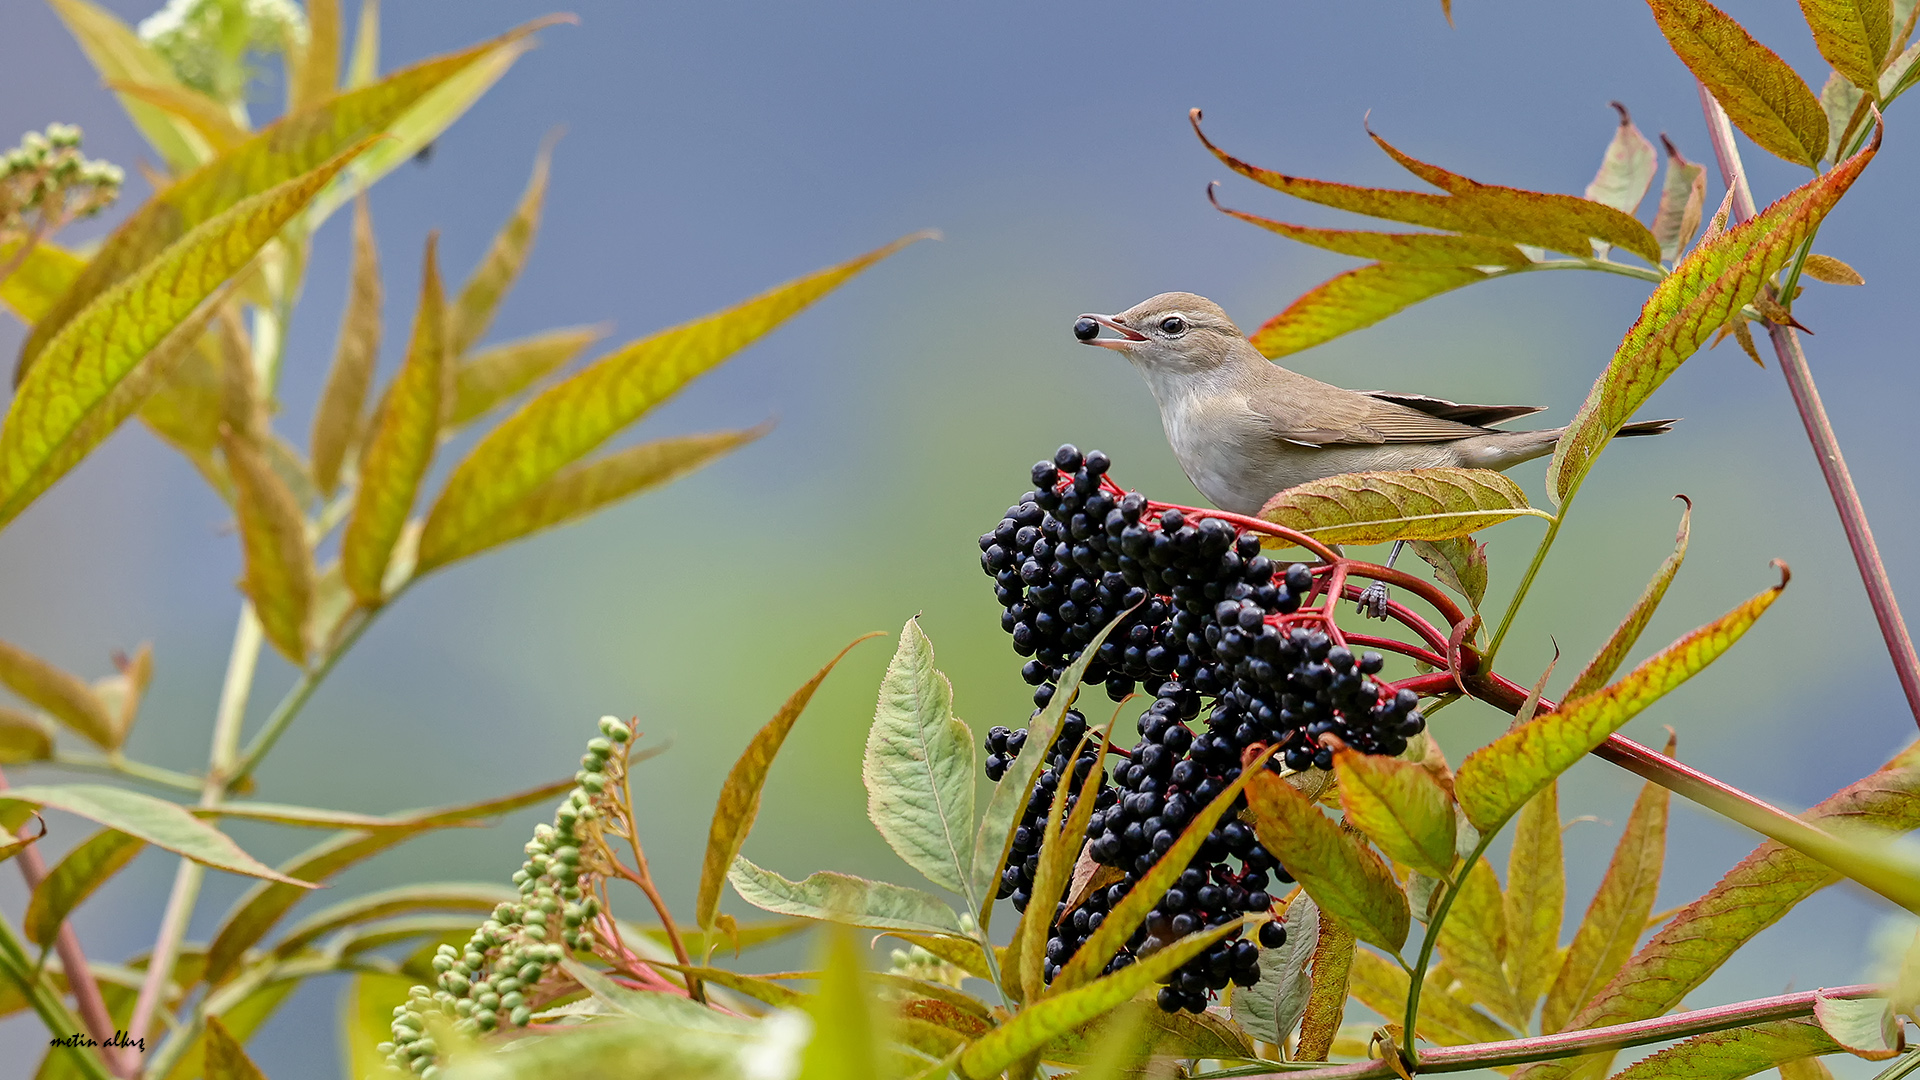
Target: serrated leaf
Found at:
x=1683, y=197
x=75, y=878
x=93, y=373
x=1536, y=898
x=1414, y=249
x=847, y=1027
x=1626, y=169
x=1831, y=270
x=1838, y=99
x=479, y=298
x=1062, y=844
x=739, y=803
x=569, y=420
x=158, y=822
x=1399, y=504
x=116, y=52
x=339, y=418
x=1459, y=564
x=832, y=897
x=492, y=376
x=1618, y=914
x=1474, y=941
x=1381, y=985
x=1866, y=1027
x=1621, y=641
x=319, y=68
x=366, y=1020
x=1731, y=1055
x=1762, y=95
x=1854, y=35
x=47, y=271
x=1060, y=1012
x=1344, y=877
x=1332, y=980
x=406, y=429
x=1271, y=1008
x=446, y=896
x=1401, y=806
x=294, y=146
x=208, y=118
x=1496, y=780
x=1356, y=299
x=23, y=738
x=64, y=696
x=260, y=908
x=279, y=572
x=919, y=768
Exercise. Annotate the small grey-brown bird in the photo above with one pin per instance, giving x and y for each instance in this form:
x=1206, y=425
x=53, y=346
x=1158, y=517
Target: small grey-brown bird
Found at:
x=1245, y=428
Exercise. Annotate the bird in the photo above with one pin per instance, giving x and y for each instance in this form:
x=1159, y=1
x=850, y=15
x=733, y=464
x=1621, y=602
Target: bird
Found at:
x=1244, y=428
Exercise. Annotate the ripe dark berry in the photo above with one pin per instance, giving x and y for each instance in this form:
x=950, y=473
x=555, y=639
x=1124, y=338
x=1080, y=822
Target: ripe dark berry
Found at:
x=1272, y=935
x=1087, y=330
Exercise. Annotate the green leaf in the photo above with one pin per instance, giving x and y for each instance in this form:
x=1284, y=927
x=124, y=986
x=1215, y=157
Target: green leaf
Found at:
x=757, y=987
x=569, y=420
x=919, y=768
x=68, y=884
x=1497, y=779
x=1132, y=910
x=1762, y=95
x=1417, y=249
x=187, y=407
x=1041, y=1022
x=844, y=898
x=260, y=908
x=1608, y=659
x=479, y=298
x=963, y=953
x=1270, y=1009
x=1381, y=985
x=13, y=845
x=1536, y=897
x=1731, y=1055
x=318, y=71
x=241, y=1020
x=1399, y=504
x=116, y=52
x=1626, y=169
x=1062, y=844
x=1866, y=1027
x=366, y=1020
x=1332, y=981
x=1474, y=941
x=94, y=371
x=1356, y=299
x=671, y=1010
x=741, y=936
x=226, y=1058
x=1838, y=99
x=406, y=428
x=279, y=576
x=23, y=738
x=1854, y=35
x=1138, y=1028
x=46, y=272
x=1459, y=564
x=64, y=696
x=363, y=65
x=207, y=118
x=492, y=376
x=847, y=1039
x=1618, y=914
x=338, y=420
x=448, y=896
x=158, y=822
x=739, y=803
x=1902, y=71
x=1343, y=875
x=1401, y=807
x=1683, y=196
x=294, y=146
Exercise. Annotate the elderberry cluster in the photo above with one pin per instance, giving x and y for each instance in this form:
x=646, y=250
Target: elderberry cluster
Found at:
x=1016, y=880
x=1206, y=630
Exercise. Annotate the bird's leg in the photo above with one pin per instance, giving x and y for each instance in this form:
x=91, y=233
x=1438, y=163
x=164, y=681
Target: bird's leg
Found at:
x=1373, y=602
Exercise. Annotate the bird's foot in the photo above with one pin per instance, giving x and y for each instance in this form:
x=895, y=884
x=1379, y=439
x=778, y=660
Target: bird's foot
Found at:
x=1373, y=602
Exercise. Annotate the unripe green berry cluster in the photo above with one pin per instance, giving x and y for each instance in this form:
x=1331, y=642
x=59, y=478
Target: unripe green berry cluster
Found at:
x=48, y=173
x=489, y=984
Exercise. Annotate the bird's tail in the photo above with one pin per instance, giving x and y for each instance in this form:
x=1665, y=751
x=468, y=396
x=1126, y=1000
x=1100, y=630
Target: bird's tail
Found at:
x=1649, y=427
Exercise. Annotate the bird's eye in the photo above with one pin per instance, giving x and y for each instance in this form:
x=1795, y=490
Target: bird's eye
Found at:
x=1173, y=325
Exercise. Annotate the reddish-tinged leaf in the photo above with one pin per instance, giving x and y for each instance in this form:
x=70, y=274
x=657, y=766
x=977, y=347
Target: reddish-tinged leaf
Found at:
x=1342, y=874
x=339, y=419
x=1356, y=299
x=1536, y=898
x=279, y=576
x=1401, y=807
x=1683, y=196
x=1497, y=779
x=1608, y=659
x=480, y=296
x=1730, y=1055
x=1854, y=36
x=1332, y=963
x=1708, y=288
x=1474, y=941
x=1831, y=270
x=1762, y=95
x=1626, y=170
x=1867, y=1027
x=1424, y=249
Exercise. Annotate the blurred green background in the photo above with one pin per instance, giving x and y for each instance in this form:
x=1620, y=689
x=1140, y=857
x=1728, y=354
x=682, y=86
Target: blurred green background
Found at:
x=713, y=150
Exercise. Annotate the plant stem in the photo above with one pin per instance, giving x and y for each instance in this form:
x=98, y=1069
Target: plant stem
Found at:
x=1526, y=583
x=132, y=770
x=1493, y=1055
x=53, y=1012
x=1605, y=266
x=1826, y=446
x=295, y=699
x=1417, y=977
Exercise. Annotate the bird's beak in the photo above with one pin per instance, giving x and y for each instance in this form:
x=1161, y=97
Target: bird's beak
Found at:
x=1128, y=335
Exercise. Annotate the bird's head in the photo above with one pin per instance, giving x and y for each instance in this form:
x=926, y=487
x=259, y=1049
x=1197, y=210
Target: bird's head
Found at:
x=1171, y=333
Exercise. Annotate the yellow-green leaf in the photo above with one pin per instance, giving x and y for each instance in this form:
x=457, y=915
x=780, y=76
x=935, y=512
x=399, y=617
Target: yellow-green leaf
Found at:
x=1762, y=95
x=75, y=878
x=446, y=896
x=366, y=1020
x=158, y=822
x=47, y=271
x=1343, y=875
x=1333, y=954
x=1683, y=197
x=104, y=360
x=116, y=52
x=11, y=845
x=1854, y=35
x=1618, y=914
x=1356, y=299
x=480, y=296
x=1459, y=564
x=207, y=117
x=279, y=576
x=1536, y=898
x=494, y=375
x=1062, y=842
x=1474, y=941
x=832, y=897
x=569, y=420
x=123, y=690
x=1806, y=1068
x=339, y=418
x=1731, y=1055
x=1626, y=169
x=241, y=1020
x=1381, y=985
x=739, y=801
x=64, y=696
x=226, y=1058
x=1497, y=779
x=1401, y=807
x=1614, y=652
x=363, y=66
x=23, y=738
x=918, y=768
x=406, y=428
x=848, y=1029
x=319, y=69
x=1831, y=270
x=1707, y=288
x=187, y=408
x=1420, y=249
x=1401, y=504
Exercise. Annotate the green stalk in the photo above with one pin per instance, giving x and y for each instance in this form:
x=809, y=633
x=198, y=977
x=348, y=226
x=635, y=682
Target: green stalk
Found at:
x=52, y=1011
x=296, y=699
x=1418, y=976
x=1526, y=583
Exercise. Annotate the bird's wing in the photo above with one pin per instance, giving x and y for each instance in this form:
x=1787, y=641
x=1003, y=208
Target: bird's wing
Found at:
x=1312, y=413
x=1477, y=415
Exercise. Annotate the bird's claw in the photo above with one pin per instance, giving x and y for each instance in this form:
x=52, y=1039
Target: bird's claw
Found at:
x=1373, y=601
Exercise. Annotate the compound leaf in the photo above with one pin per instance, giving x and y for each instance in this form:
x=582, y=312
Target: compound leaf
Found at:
x=1474, y=940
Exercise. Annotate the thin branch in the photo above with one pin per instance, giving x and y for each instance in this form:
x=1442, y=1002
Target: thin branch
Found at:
x=129, y=768
x=53, y=1013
